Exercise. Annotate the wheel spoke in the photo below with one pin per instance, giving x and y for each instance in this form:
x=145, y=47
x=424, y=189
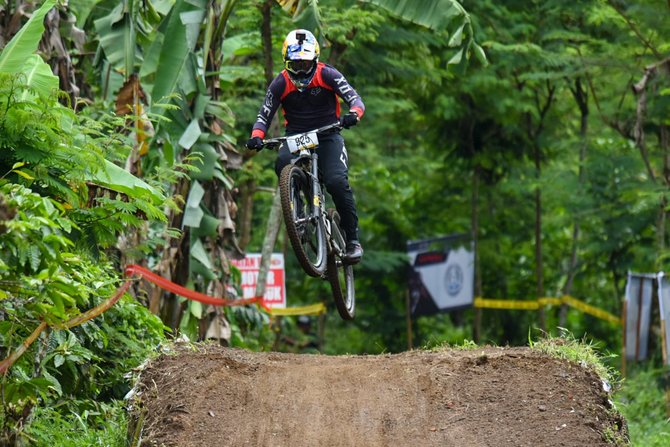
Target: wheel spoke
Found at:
x=341, y=277
x=306, y=235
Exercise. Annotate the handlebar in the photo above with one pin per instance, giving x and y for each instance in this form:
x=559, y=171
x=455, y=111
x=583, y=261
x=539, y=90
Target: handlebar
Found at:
x=277, y=141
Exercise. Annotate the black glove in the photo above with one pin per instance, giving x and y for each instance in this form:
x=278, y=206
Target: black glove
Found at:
x=349, y=120
x=255, y=143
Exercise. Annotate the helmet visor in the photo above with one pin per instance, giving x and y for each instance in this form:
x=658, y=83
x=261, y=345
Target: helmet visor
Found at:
x=300, y=67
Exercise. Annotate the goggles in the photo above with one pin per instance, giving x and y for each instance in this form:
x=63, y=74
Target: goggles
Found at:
x=299, y=67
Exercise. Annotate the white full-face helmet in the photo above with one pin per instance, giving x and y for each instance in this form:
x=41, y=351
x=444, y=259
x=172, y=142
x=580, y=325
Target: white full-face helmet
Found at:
x=301, y=54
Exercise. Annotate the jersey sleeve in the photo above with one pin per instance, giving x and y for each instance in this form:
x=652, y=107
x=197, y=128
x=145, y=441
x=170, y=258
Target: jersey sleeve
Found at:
x=269, y=107
x=343, y=89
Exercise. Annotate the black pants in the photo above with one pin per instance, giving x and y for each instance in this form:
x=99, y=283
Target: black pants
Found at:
x=334, y=171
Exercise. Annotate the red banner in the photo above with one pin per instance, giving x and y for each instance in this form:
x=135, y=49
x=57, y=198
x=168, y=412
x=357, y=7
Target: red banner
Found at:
x=275, y=289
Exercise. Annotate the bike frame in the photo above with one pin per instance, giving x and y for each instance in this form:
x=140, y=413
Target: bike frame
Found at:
x=318, y=197
x=330, y=241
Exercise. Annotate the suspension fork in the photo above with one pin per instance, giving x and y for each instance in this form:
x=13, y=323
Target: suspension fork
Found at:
x=318, y=204
x=317, y=196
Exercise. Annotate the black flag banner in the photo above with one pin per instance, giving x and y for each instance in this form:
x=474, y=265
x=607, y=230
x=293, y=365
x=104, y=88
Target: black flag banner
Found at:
x=442, y=274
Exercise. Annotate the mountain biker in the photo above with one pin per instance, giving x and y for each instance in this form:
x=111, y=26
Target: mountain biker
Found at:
x=308, y=92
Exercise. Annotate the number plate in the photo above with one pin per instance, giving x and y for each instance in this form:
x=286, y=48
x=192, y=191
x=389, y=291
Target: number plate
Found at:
x=301, y=142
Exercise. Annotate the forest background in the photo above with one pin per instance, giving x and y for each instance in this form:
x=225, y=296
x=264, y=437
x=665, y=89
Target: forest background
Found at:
x=540, y=129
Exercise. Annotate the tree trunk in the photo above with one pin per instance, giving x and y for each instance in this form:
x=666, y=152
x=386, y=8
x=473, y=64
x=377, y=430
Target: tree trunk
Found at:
x=275, y=218
x=539, y=267
x=581, y=97
x=246, y=212
x=271, y=231
x=640, y=89
x=173, y=264
x=266, y=36
x=538, y=248
x=664, y=137
x=534, y=134
x=474, y=219
x=474, y=225
x=248, y=188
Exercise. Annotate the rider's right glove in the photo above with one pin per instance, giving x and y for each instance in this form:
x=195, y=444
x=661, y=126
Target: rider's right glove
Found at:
x=349, y=120
x=255, y=143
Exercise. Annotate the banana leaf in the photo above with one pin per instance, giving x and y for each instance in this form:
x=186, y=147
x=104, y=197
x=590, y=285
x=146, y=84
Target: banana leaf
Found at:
x=179, y=37
x=19, y=56
x=118, y=179
x=433, y=14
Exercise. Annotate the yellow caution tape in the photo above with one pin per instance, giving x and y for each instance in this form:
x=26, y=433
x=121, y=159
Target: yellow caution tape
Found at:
x=550, y=301
x=591, y=310
x=536, y=304
x=507, y=304
x=313, y=309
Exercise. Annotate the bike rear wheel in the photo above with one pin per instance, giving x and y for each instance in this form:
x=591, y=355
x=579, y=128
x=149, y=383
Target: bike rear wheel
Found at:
x=305, y=230
x=340, y=274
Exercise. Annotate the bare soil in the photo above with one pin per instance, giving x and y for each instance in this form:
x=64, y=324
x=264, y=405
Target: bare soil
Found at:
x=214, y=396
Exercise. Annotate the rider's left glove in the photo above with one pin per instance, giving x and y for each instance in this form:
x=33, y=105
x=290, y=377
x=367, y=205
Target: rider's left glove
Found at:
x=349, y=120
x=255, y=143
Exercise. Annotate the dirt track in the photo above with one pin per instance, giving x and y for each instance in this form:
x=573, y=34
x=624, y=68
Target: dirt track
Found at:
x=214, y=396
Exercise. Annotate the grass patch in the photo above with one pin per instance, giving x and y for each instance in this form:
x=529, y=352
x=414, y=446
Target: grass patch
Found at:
x=465, y=345
x=582, y=352
x=105, y=425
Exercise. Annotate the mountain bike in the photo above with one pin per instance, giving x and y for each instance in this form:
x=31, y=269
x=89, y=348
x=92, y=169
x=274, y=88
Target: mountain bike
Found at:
x=314, y=231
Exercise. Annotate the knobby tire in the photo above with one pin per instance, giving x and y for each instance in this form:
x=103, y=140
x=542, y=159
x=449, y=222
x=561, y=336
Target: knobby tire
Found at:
x=307, y=239
x=341, y=275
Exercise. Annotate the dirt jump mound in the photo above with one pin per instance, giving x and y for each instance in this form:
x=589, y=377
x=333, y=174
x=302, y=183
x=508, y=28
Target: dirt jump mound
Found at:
x=213, y=396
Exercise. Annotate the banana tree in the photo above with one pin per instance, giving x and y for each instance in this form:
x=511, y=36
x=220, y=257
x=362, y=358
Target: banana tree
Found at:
x=18, y=56
x=52, y=274
x=173, y=65
x=440, y=15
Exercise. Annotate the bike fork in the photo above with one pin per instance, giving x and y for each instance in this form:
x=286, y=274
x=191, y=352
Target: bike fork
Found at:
x=316, y=187
x=318, y=204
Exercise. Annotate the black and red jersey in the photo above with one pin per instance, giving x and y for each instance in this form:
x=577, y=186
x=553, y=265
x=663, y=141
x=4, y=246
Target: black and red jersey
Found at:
x=313, y=107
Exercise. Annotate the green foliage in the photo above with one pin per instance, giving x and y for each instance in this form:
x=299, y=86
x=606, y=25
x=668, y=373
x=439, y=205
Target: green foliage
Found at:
x=44, y=278
x=643, y=401
x=37, y=134
x=52, y=268
x=442, y=330
x=440, y=15
x=122, y=338
x=250, y=328
x=436, y=149
x=39, y=269
x=61, y=154
x=102, y=425
x=17, y=56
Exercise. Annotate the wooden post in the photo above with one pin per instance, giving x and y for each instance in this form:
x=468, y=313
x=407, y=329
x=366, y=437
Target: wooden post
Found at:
x=408, y=313
x=664, y=351
x=663, y=342
x=477, y=326
x=623, y=347
x=639, y=320
x=276, y=326
x=321, y=330
x=271, y=231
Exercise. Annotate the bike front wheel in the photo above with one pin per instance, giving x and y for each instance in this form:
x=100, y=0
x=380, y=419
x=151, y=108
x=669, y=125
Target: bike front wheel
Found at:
x=305, y=230
x=341, y=276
